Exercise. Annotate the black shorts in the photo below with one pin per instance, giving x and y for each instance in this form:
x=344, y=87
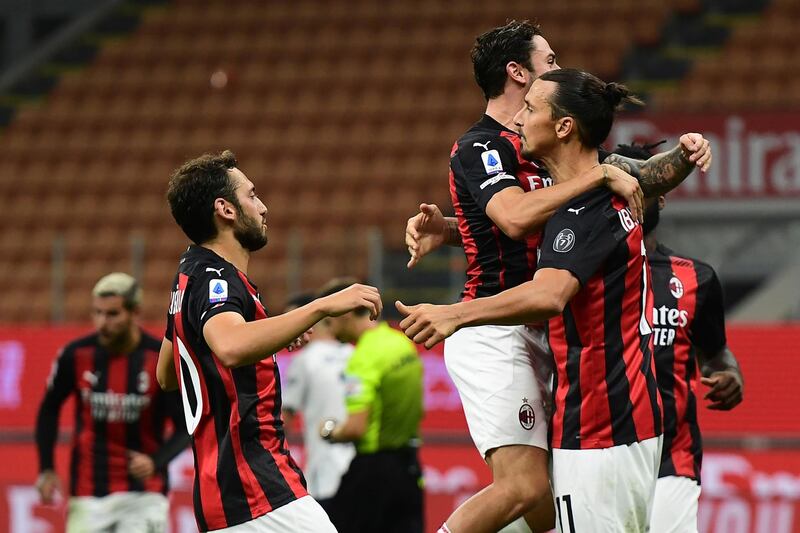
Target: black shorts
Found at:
x=381, y=492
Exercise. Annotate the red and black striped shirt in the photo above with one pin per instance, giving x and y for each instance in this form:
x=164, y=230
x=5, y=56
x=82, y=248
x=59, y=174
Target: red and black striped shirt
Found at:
x=688, y=313
x=606, y=392
x=119, y=407
x=243, y=469
x=484, y=161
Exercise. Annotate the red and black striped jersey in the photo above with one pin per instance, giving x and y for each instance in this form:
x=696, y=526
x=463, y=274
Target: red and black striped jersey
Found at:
x=484, y=161
x=605, y=392
x=688, y=313
x=119, y=406
x=243, y=469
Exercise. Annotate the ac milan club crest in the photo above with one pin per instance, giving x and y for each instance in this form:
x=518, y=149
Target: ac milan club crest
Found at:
x=526, y=415
x=675, y=286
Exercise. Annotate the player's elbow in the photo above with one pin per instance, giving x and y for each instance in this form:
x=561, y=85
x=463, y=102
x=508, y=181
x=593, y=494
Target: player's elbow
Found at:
x=552, y=305
x=513, y=228
x=229, y=356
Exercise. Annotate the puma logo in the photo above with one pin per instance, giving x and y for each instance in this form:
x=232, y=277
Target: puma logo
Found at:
x=485, y=145
x=217, y=270
x=576, y=211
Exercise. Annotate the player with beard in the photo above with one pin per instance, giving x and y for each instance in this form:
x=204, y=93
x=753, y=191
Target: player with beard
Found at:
x=688, y=328
x=219, y=348
x=118, y=473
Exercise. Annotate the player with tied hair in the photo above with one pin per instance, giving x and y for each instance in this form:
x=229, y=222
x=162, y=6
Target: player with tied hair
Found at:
x=220, y=346
x=118, y=478
x=502, y=201
x=593, y=286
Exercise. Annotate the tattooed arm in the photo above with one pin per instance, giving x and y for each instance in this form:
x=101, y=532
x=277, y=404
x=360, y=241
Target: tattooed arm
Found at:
x=663, y=172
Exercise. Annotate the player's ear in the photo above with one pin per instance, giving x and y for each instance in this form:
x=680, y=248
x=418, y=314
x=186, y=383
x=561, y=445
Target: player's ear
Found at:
x=516, y=72
x=564, y=126
x=224, y=209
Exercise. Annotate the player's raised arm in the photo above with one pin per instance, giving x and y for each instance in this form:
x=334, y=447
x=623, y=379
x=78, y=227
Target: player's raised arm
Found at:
x=237, y=342
x=665, y=171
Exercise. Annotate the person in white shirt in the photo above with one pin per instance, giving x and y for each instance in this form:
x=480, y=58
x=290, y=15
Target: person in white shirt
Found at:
x=315, y=388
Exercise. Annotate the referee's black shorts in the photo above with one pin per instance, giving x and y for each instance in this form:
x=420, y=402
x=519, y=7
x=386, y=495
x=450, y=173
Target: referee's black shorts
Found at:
x=380, y=493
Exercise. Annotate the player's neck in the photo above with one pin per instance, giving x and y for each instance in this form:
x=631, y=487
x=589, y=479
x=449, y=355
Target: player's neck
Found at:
x=505, y=107
x=651, y=242
x=364, y=326
x=569, y=160
x=127, y=344
x=227, y=247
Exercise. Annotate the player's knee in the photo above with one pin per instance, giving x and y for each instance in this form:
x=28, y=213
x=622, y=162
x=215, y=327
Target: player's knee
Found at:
x=526, y=493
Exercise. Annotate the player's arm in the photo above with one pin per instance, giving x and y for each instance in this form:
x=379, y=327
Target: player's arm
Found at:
x=519, y=214
x=236, y=342
x=665, y=171
x=542, y=298
x=141, y=465
x=718, y=365
x=165, y=369
x=351, y=430
x=59, y=386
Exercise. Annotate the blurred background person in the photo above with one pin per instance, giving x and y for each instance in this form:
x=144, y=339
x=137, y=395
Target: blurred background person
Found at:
x=383, y=488
x=118, y=478
x=314, y=389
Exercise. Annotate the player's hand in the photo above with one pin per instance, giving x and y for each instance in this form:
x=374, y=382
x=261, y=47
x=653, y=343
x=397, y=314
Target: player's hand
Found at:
x=623, y=184
x=352, y=298
x=140, y=465
x=47, y=484
x=726, y=391
x=697, y=150
x=425, y=232
x=427, y=324
x=301, y=341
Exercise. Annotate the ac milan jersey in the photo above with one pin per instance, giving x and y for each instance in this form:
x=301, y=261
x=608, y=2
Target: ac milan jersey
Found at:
x=119, y=406
x=484, y=161
x=688, y=313
x=242, y=467
x=606, y=392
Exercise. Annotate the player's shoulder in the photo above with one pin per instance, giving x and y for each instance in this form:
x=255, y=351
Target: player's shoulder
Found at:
x=703, y=270
x=86, y=341
x=592, y=203
x=201, y=264
x=485, y=135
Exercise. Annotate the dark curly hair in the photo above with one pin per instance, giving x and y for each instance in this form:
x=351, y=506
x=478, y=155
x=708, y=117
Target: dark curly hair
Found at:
x=494, y=49
x=194, y=187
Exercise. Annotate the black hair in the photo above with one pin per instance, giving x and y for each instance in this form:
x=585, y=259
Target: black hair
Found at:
x=589, y=100
x=637, y=151
x=194, y=187
x=497, y=47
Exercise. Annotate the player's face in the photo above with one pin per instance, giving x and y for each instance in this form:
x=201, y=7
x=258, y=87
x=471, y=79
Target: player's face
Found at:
x=543, y=59
x=250, y=227
x=112, y=320
x=535, y=120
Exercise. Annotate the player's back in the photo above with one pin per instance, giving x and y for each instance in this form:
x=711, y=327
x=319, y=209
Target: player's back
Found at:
x=606, y=393
x=243, y=469
x=484, y=161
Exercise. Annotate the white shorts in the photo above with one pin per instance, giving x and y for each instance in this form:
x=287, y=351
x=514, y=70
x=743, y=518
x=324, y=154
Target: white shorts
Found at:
x=301, y=516
x=675, y=505
x=131, y=512
x=503, y=375
x=605, y=490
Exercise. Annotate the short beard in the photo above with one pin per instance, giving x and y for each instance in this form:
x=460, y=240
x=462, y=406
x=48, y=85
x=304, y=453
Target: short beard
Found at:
x=249, y=232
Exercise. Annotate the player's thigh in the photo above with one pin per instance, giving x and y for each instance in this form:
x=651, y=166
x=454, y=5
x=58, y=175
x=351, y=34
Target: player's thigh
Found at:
x=141, y=512
x=605, y=490
x=87, y=514
x=522, y=466
x=500, y=392
x=300, y=516
x=675, y=505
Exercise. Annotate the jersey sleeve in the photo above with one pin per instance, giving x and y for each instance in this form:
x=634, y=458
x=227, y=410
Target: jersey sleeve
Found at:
x=170, y=324
x=488, y=165
x=217, y=289
x=708, y=327
x=60, y=385
x=362, y=378
x=294, y=388
x=580, y=243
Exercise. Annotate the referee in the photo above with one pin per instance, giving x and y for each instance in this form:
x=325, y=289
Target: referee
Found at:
x=382, y=490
